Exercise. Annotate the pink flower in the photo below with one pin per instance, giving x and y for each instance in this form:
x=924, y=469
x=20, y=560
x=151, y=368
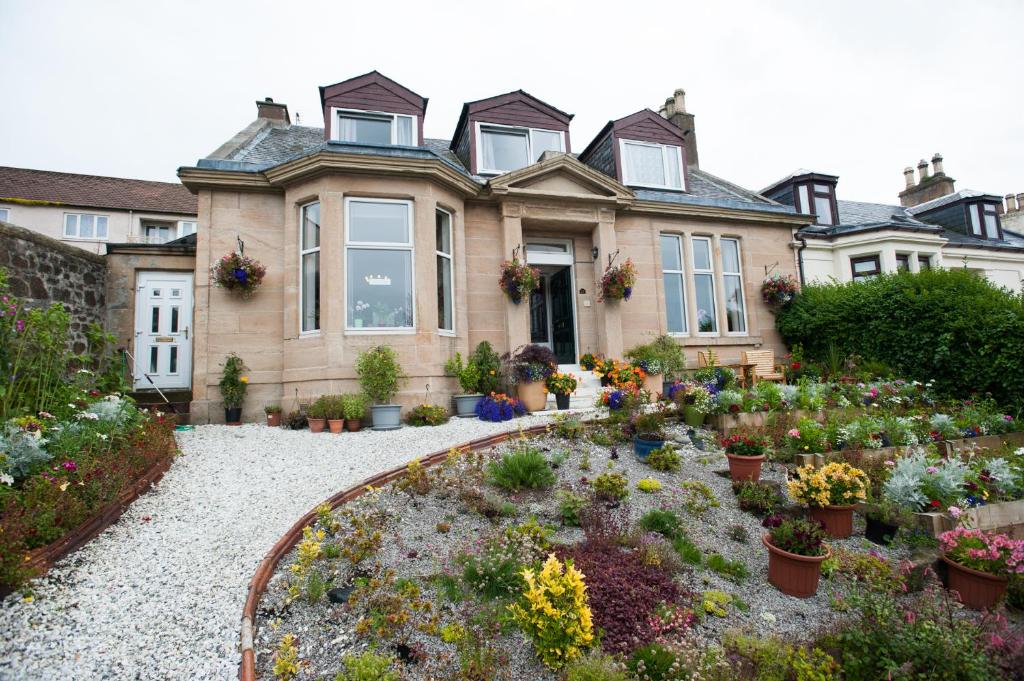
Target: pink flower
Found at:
x=793, y=433
x=890, y=462
x=932, y=469
x=954, y=511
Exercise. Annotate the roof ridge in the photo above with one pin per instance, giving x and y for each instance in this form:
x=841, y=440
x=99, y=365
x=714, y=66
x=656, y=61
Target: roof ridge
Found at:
x=732, y=187
x=89, y=175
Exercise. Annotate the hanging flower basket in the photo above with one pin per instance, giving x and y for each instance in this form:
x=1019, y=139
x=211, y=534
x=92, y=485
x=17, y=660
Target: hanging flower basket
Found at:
x=237, y=272
x=518, y=279
x=779, y=289
x=618, y=282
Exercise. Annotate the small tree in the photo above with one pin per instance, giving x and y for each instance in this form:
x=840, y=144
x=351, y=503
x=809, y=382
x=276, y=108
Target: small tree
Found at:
x=232, y=383
x=379, y=373
x=467, y=373
x=489, y=363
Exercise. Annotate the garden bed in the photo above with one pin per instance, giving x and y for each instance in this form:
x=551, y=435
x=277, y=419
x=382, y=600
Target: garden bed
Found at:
x=1005, y=516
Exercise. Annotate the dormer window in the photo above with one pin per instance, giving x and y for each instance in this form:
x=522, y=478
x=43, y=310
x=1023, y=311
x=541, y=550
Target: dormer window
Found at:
x=817, y=198
x=505, y=148
x=372, y=127
x=984, y=220
x=647, y=164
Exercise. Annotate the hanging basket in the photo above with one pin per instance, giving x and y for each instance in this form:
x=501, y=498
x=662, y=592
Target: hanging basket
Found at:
x=778, y=290
x=618, y=282
x=518, y=279
x=238, y=273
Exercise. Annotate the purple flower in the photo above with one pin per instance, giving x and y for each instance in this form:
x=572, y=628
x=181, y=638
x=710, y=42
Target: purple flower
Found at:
x=19, y=325
x=241, y=275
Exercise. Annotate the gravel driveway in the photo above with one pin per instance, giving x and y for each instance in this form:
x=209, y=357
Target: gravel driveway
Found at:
x=159, y=595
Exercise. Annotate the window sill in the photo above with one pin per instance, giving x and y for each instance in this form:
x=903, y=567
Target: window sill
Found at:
x=655, y=187
x=362, y=331
x=86, y=238
x=309, y=334
x=446, y=334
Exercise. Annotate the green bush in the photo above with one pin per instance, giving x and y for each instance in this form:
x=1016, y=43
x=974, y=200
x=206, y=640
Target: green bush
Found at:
x=380, y=374
x=664, y=522
x=368, y=666
x=353, y=406
x=488, y=362
x=522, y=468
x=597, y=667
x=950, y=326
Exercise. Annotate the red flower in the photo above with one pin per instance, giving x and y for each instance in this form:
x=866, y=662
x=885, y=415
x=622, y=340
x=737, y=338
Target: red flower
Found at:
x=795, y=365
x=935, y=504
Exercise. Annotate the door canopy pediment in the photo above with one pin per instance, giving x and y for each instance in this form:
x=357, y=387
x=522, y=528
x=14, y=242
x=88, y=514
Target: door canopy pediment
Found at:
x=560, y=176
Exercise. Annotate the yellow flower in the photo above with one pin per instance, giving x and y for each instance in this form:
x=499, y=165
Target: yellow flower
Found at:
x=244, y=379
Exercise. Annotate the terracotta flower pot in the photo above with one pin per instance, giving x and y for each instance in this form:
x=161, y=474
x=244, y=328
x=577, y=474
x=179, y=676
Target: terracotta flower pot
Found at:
x=654, y=384
x=274, y=419
x=336, y=425
x=353, y=425
x=793, y=574
x=317, y=425
x=838, y=520
x=745, y=467
x=978, y=590
x=532, y=395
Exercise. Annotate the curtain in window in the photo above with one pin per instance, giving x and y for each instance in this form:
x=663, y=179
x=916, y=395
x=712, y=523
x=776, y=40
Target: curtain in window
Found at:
x=644, y=165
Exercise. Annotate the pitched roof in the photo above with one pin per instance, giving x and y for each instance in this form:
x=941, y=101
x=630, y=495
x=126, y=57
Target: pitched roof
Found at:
x=94, y=191
x=948, y=199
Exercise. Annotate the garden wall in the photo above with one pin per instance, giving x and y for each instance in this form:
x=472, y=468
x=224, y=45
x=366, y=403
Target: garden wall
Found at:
x=42, y=270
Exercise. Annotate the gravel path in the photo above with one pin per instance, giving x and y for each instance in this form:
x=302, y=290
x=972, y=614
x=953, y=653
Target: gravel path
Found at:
x=159, y=594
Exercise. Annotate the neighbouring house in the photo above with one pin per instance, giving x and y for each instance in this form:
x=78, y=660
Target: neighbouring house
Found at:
x=373, y=234
x=934, y=226
x=90, y=211
x=1013, y=213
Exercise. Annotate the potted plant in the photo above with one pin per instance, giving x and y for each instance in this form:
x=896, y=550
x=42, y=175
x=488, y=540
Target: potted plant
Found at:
x=647, y=358
x=883, y=519
x=273, y=412
x=618, y=281
x=237, y=272
x=232, y=389
x=673, y=360
x=796, y=550
x=468, y=375
x=980, y=564
x=353, y=406
x=604, y=367
x=746, y=453
x=529, y=367
x=650, y=433
x=697, y=403
x=831, y=492
x=489, y=364
x=779, y=289
x=499, y=407
x=317, y=414
x=334, y=414
x=380, y=375
x=518, y=279
x=588, y=361
x=562, y=385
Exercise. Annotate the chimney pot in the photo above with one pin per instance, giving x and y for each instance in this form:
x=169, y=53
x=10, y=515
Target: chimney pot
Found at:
x=271, y=110
x=1011, y=203
x=1020, y=201
x=937, y=164
x=922, y=170
x=679, y=97
x=908, y=175
x=668, y=109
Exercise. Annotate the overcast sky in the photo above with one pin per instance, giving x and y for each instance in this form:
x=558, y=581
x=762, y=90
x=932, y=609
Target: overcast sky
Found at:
x=861, y=90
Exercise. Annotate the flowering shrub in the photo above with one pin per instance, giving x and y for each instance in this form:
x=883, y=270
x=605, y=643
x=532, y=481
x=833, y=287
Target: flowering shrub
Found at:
x=561, y=384
x=618, y=281
x=499, y=407
x=921, y=481
x=232, y=383
x=554, y=612
x=796, y=535
x=530, y=363
x=808, y=437
x=427, y=415
x=620, y=375
x=648, y=485
x=588, y=361
x=991, y=552
x=835, y=483
x=745, y=445
x=779, y=289
x=237, y=272
x=518, y=279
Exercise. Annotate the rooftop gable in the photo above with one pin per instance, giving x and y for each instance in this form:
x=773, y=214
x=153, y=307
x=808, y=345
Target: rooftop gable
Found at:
x=480, y=109
x=373, y=80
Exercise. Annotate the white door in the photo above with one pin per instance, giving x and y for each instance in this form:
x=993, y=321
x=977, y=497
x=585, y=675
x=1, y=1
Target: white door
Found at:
x=163, y=330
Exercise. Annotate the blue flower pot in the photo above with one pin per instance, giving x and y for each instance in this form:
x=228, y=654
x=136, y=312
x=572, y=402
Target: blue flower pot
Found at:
x=644, y=447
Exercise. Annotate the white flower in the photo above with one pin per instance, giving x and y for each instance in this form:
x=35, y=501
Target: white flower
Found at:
x=102, y=436
x=87, y=415
x=768, y=617
x=6, y=479
x=85, y=371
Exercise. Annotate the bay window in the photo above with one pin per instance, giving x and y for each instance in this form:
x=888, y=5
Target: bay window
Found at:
x=504, y=148
x=309, y=265
x=443, y=254
x=704, y=285
x=371, y=127
x=865, y=266
x=85, y=226
x=732, y=281
x=378, y=262
x=646, y=164
x=675, y=286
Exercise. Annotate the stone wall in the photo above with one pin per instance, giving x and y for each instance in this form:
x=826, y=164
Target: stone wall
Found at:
x=42, y=270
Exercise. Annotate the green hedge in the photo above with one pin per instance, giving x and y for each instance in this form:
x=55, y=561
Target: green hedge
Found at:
x=950, y=326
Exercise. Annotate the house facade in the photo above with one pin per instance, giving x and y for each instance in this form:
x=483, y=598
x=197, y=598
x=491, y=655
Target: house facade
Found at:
x=373, y=234
x=933, y=226
x=90, y=211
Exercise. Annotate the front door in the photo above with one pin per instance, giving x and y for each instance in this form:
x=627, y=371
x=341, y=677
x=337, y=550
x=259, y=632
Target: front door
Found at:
x=163, y=330
x=563, y=335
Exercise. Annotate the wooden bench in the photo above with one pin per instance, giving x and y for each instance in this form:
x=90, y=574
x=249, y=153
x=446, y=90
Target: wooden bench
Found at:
x=765, y=368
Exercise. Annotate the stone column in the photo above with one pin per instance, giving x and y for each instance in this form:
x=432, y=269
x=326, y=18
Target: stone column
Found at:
x=517, y=317
x=332, y=286
x=608, y=313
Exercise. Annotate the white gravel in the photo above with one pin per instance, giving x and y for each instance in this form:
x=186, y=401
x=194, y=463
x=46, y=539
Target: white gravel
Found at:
x=159, y=594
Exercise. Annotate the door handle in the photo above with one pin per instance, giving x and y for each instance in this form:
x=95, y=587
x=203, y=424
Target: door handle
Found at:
x=186, y=333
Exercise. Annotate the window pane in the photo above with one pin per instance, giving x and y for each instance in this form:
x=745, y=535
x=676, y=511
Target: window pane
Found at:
x=174, y=360
x=85, y=226
x=154, y=357
x=5, y=215
x=704, y=287
x=644, y=165
x=975, y=222
x=544, y=140
x=311, y=291
x=155, y=319
x=805, y=201
x=822, y=189
x=734, y=308
x=70, y=225
x=503, y=150
x=174, y=319
x=378, y=222
x=701, y=254
x=311, y=226
x=823, y=209
x=187, y=228
x=670, y=259
x=672, y=161
x=101, y=227
x=443, y=232
x=534, y=247
x=730, y=256
x=444, y=293
x=902, y=262
x=379, y=288
x=991, y=229
x=924, y=262
x=403, y=133
x=675, y=302
x=367, y=130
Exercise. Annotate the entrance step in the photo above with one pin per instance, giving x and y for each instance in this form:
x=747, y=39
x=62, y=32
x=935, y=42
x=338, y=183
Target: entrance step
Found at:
x=587, y=389
x=178, y=402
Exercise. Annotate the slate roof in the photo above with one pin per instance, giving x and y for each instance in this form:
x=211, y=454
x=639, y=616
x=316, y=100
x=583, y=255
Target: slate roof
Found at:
x=945, y=200
x=95, y=191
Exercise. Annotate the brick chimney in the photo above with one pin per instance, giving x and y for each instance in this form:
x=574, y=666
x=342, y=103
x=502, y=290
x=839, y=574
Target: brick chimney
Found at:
x=674, y=109
x=928, y=186
x=271, y=110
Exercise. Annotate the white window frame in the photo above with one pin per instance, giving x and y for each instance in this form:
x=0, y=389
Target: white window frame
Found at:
x=451, y=265
x=714, y=286
x=666, y=159
x=302, y=278
x=5, y=214
x=337, y=112
x=679, y=239
x=743, y=293
x=383, y=246
x=526, y=132
x=181, y=227
x=78, y=222
x=173, y=228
